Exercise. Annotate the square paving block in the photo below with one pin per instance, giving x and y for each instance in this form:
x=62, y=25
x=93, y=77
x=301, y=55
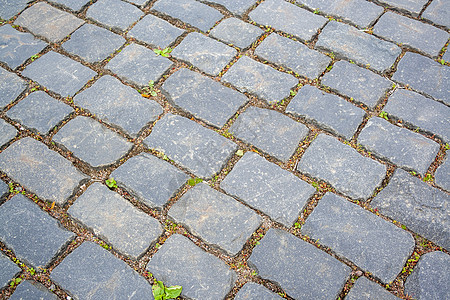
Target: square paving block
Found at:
x=236, y=32
x=114, y=13
x=11, y=86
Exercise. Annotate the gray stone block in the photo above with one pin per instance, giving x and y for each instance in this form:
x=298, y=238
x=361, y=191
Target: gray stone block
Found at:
x=442, y=175
x=401, y=146
x=151, y=179
x=74, y=5
x=108, y=215
x=437, y=12
x=202, y=275
x=203, y=97
x=430, y=277
x=7, y=132
x=270, y=131
x=261, y=80
x=301, y=269
x=349, y=43
x=114, y=13
x=364, y=289
x=262, y=184
x=342, y=166
x=360, y=84
x=205, y=53
x=3, y=189
x=34, y=236
x=92, y=272
x=237, y=32
x=293, y=55
x=446, y=56
x=202, y=151
x=40, y=170
x=189, y=11
x=9, y=8
x=29, y=289
x=237, y=7
x=328, y=111
x=92, y=142
x=139, y=2
x=121, y=105
x=408, y=5
x=289, y=18
x=216, y=218
x=39, y=111
x=8, y=270
x=11, y=86
x=415, y=204
x=356, y=234
x=139, y=65
x=252, y=290
x=46, y=21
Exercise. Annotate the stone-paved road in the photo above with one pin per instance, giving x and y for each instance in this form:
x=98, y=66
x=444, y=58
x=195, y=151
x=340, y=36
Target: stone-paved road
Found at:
x=242, y=149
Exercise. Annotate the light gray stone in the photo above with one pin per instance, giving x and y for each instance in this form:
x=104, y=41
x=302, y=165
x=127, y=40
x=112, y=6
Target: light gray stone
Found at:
x=236, y=6
x=8, y=270
x=11, y=86
x=252, y=290
x=414, y=6
x=7, y=132
x=446, y=56
x=442, y=175
x=29, y=289
x=9, y=8
x=364, y=289
x=438, y=12
x=3, y=189
x=74, y=5
x=114, y=13
x=237, y=32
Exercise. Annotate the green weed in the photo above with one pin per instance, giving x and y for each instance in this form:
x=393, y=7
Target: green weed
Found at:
x=161, y=292
x=111, y=183
x=194, y=181
x=383, y=115
x=163, y=52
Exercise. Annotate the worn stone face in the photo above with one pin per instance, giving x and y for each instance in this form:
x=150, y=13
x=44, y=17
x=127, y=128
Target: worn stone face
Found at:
x=236, y=32
x=252, y=290
x=364, y=289
x=9, y=8
x=442, y=175
x=412, y=6
x=437, y=12
x=106, y=12
x=11, y=86
x=237, y=7
x=7, y=132
x=8, y=269
x=29, y=289
x=3, y=189
x=74, y=5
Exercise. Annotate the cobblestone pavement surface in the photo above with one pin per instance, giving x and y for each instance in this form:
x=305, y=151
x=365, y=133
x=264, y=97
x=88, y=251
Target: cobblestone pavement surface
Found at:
x=242, y=149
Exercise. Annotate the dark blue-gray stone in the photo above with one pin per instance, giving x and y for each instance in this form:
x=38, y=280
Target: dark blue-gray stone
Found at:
x=44, y=20
x=114, y=13
x=364, y=289
x=437, y=12
x=91, y=272
x=349, y=43
x=59, y=73
x=270, y=131
x=151, y=179
x=91, y=142
x=121, y=105
x=293, y=55
x=74, y=5
x=442, y=175
x=216, y=218
x=414, y=6
x=237, y=32
x=262, y=184
x=8, y=270
x=29, y=289
x=328, y=111
x=110, y=216
x=203, y=97
x=248, y=75
x=189, y=11
x=9, y=8
x=200, y=150
x=289, y=18
x=7, y=132
x=401, y=146
x=3, y=188
x=301, y=269
x=358, y=83
x=11, y=86
x=40, y=170
x=34, y=236
x=39, y=111
x=342, y=166
x=252, y=290
x=202, y=275
x=356, y=234
x=237, y=7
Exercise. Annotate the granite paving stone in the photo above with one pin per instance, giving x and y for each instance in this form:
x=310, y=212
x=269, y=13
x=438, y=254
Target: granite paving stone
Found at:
x=107, y=214
x=237, y=7
x=289, y=18
x=202, y=151
x=8, y=270
x=139, y=2
x=430, y=277
x=191, y=12
x=354, y=233
x=347, y=42
x=358, y=83
x=253, y=290
x=209, y=55
x=202, y=275
x=151, y=179
x=446, y=56
x=91, y=272
x=270, y=131
x=438, y=12
x=3, y=189
x=40, y=170
x=403, y=147
x=7, y=132
x=237, y=32
x=412, y=202
x=114, y=13
x=34, y=236
x=442, y=175
x=262, y=184
x=301, y=269
x=414, y=6
x=16, y=47
x=29, y=289
x=74, y=5
x=248, y=75
x=9, y=8
x=138, y=65
x=39, y=111
x=11, y=86
x=51, y=23
x=293, y=55
x=342, y=166
x=328, y=111
x=203, y=97
x=121, y=105
x=364, y=289
x=217, y=218
x=91, y=142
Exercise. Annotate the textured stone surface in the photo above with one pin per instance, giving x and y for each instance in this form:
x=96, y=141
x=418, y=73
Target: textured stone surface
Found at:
x=40, y=170
x=252, y=290
x=74, y=5
x=442, y=175
x=11, y=86
x=446, y=56
x=8, y=270
x=32, y=290
x=236, y=6
x=262, y=184
x=34, y=236
x=3, y=189
x=261, y=80
x=401, y=146
x=349, y=43
x=9, y=8
x=202, y=275
x=364, y=289
x=301, y=269
x=236, y=32
x=414, y=6
x=438, y=12
x=114, y=13
x=421, y=208
x=270, y=131
x=7, y=132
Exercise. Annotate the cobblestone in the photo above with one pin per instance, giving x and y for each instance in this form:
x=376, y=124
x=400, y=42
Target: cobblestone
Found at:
x=7, y=132
x=74, y=5
x=8, y=270
x=364, y=289
x=437, y=12
x=252, y=290
x=105, y=12
x=442, y=175
x=10, y=8
x=407, y=5
x=236, y=32
x=11, y=86
x=3, y=189
x=236, y=7
x=32, y=290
